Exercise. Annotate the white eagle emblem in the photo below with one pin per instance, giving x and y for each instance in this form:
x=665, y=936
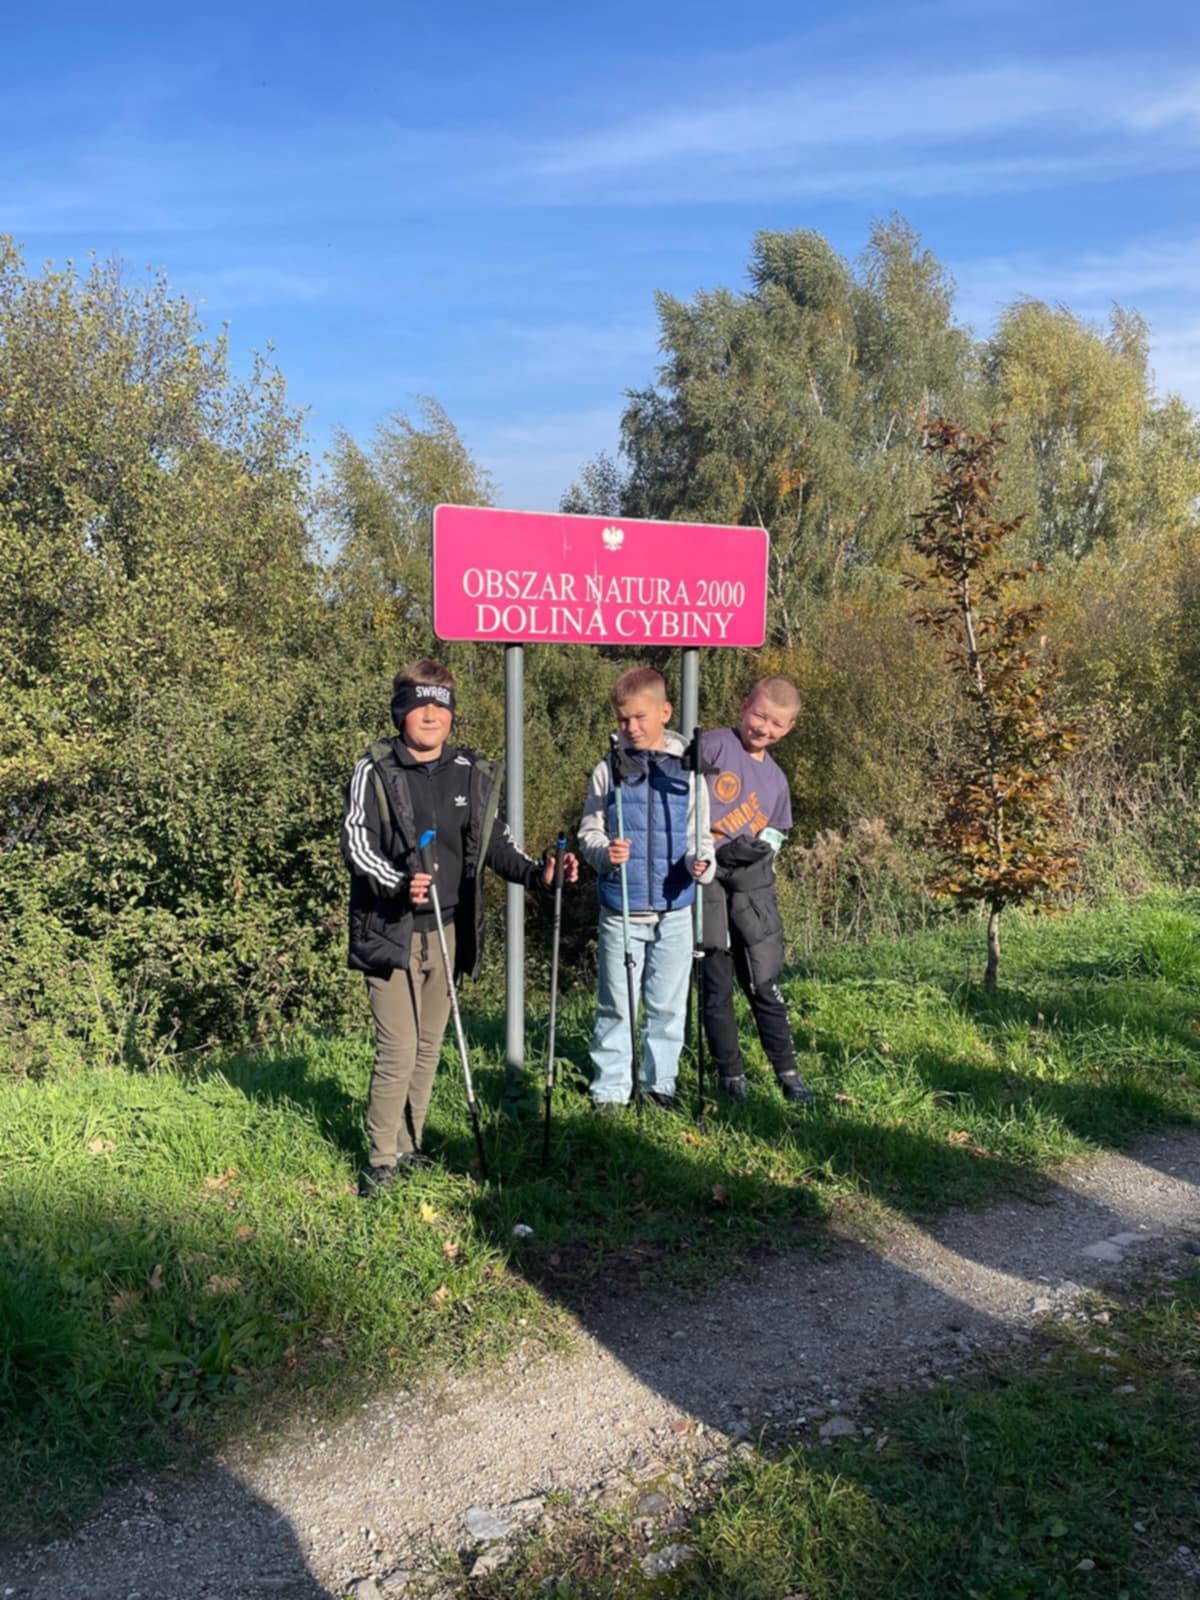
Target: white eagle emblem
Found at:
x=613, y=538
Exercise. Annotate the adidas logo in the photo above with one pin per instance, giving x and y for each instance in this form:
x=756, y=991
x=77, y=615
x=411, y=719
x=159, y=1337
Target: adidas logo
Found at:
x=460, y=799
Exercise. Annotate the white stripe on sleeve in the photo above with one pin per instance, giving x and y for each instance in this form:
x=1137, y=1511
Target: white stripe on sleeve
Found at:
x=366, y=859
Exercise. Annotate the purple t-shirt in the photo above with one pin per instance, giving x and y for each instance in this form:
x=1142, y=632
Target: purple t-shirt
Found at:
x=744, y=795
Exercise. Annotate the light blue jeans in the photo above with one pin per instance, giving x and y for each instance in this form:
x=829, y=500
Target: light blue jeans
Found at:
x=662, y=954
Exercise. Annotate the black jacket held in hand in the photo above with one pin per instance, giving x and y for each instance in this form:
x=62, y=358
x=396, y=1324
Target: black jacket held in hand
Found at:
x=742, y=898
x=379, y=844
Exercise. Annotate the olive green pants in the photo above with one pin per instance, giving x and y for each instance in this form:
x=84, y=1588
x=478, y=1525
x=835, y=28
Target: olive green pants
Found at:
x=410, y=1009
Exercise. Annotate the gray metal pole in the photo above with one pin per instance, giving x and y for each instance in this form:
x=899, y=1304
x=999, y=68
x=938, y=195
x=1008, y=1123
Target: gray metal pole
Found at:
x=689, y=693
x=514, y=761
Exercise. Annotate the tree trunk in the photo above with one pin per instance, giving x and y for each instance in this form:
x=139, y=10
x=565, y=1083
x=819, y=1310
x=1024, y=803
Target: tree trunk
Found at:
x=993, y=941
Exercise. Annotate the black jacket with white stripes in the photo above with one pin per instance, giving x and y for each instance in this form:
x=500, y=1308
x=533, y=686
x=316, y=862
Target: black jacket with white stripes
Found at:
x=390, y=801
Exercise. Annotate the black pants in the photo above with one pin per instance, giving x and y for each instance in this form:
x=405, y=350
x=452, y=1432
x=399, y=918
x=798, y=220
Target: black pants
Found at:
x=770, y=1013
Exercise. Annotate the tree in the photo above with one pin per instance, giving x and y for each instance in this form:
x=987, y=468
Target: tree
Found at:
x=599, y=491
x=378, y=503
x=1102, y=459
x=797, y=406
x=166, y=855
x=1002, y=828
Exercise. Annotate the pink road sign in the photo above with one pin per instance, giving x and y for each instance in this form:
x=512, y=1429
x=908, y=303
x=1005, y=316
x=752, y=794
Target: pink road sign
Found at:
x=532, y=577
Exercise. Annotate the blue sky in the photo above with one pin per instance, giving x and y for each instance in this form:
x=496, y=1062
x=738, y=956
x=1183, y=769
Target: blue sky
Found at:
x=478, y=202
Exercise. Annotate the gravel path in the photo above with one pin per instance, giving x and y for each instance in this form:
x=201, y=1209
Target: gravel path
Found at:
x=649, y=1388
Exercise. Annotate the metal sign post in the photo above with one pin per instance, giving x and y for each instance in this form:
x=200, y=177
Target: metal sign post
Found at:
x=526, y=577
x=514, y=810
x=689, y=692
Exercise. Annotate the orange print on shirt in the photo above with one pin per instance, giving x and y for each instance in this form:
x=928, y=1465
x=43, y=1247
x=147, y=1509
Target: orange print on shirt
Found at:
x=748, y=813
x=726, y=787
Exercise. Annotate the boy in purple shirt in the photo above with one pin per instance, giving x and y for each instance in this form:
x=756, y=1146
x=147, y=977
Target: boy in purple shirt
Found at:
x=751, y=812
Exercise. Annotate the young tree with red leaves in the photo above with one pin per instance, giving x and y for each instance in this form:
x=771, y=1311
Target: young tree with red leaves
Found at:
x=1002, y=834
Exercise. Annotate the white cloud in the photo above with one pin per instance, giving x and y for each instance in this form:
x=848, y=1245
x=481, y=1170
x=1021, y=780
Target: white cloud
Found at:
x=1140, y=273
x=535, y=456
x=764, y=129
x=625, y=346
x=1179, y=103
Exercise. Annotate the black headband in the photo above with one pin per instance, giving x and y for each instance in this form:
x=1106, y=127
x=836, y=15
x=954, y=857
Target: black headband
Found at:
x=411, y=695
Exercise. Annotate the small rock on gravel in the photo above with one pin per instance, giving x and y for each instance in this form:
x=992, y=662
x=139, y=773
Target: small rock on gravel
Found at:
x=491, y=1558
x=1104, y=1250
x=484, y=1524
x=837, y=1428
x=365, y=1589
x=651, y=1504
x=657, y=1563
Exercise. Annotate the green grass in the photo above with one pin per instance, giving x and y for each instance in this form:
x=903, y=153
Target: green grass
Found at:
x=1001, y=1490
x=176, y=1250
x=1050, y=1478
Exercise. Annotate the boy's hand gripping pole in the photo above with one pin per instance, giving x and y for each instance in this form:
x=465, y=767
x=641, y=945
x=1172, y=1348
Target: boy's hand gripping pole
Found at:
x=698, y=926
x=630, y=988
x=560, y=846
x=429, y=864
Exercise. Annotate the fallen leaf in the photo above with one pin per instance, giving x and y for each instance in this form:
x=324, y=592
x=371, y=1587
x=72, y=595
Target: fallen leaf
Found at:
x=439, y=1295
x=244, y=1233
x=226, y=1177
x=977, y=1150
x=100, y=1147
x=450, y=1250
x=426, y=1212
x=222, y=1284
x=155, y=1278
x=884, y=1047
x=124, y=1298
x=681, y=1424
x=846, y=1099
x=689, y=1137
x=241, y=1372
x=959, y=1136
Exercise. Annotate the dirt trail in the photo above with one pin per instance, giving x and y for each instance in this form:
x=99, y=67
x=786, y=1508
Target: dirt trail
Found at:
x=647, y=1387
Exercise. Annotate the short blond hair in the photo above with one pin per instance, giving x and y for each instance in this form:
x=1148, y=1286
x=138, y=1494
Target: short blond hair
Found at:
x=781, y=692
x=638, y=680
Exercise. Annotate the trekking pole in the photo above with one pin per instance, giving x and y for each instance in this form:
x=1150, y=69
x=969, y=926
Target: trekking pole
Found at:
x=698, y=930
x=425, y=845
x=560, y=846
x=629, y=984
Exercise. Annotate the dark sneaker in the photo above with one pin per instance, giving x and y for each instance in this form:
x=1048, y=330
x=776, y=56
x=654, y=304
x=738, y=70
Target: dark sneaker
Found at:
x=664, y=1102
x=793, y=1087
x=735, y=1089
x=372, y=1179
x=414, y=1161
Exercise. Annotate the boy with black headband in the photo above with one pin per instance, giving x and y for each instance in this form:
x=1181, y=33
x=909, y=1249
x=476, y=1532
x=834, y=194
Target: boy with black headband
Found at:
x=399, y=789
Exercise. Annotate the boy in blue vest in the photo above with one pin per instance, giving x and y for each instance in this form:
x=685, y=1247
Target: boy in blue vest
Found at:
x=656, y=849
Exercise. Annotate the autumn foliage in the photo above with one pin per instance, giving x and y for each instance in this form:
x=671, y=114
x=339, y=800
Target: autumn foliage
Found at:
x=1002, y=833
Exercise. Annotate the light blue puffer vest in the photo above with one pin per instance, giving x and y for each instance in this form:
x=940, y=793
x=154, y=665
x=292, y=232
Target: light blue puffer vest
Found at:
x=655, y=815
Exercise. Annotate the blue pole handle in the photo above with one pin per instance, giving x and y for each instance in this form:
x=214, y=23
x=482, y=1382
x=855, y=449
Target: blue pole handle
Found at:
x=425, y=846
